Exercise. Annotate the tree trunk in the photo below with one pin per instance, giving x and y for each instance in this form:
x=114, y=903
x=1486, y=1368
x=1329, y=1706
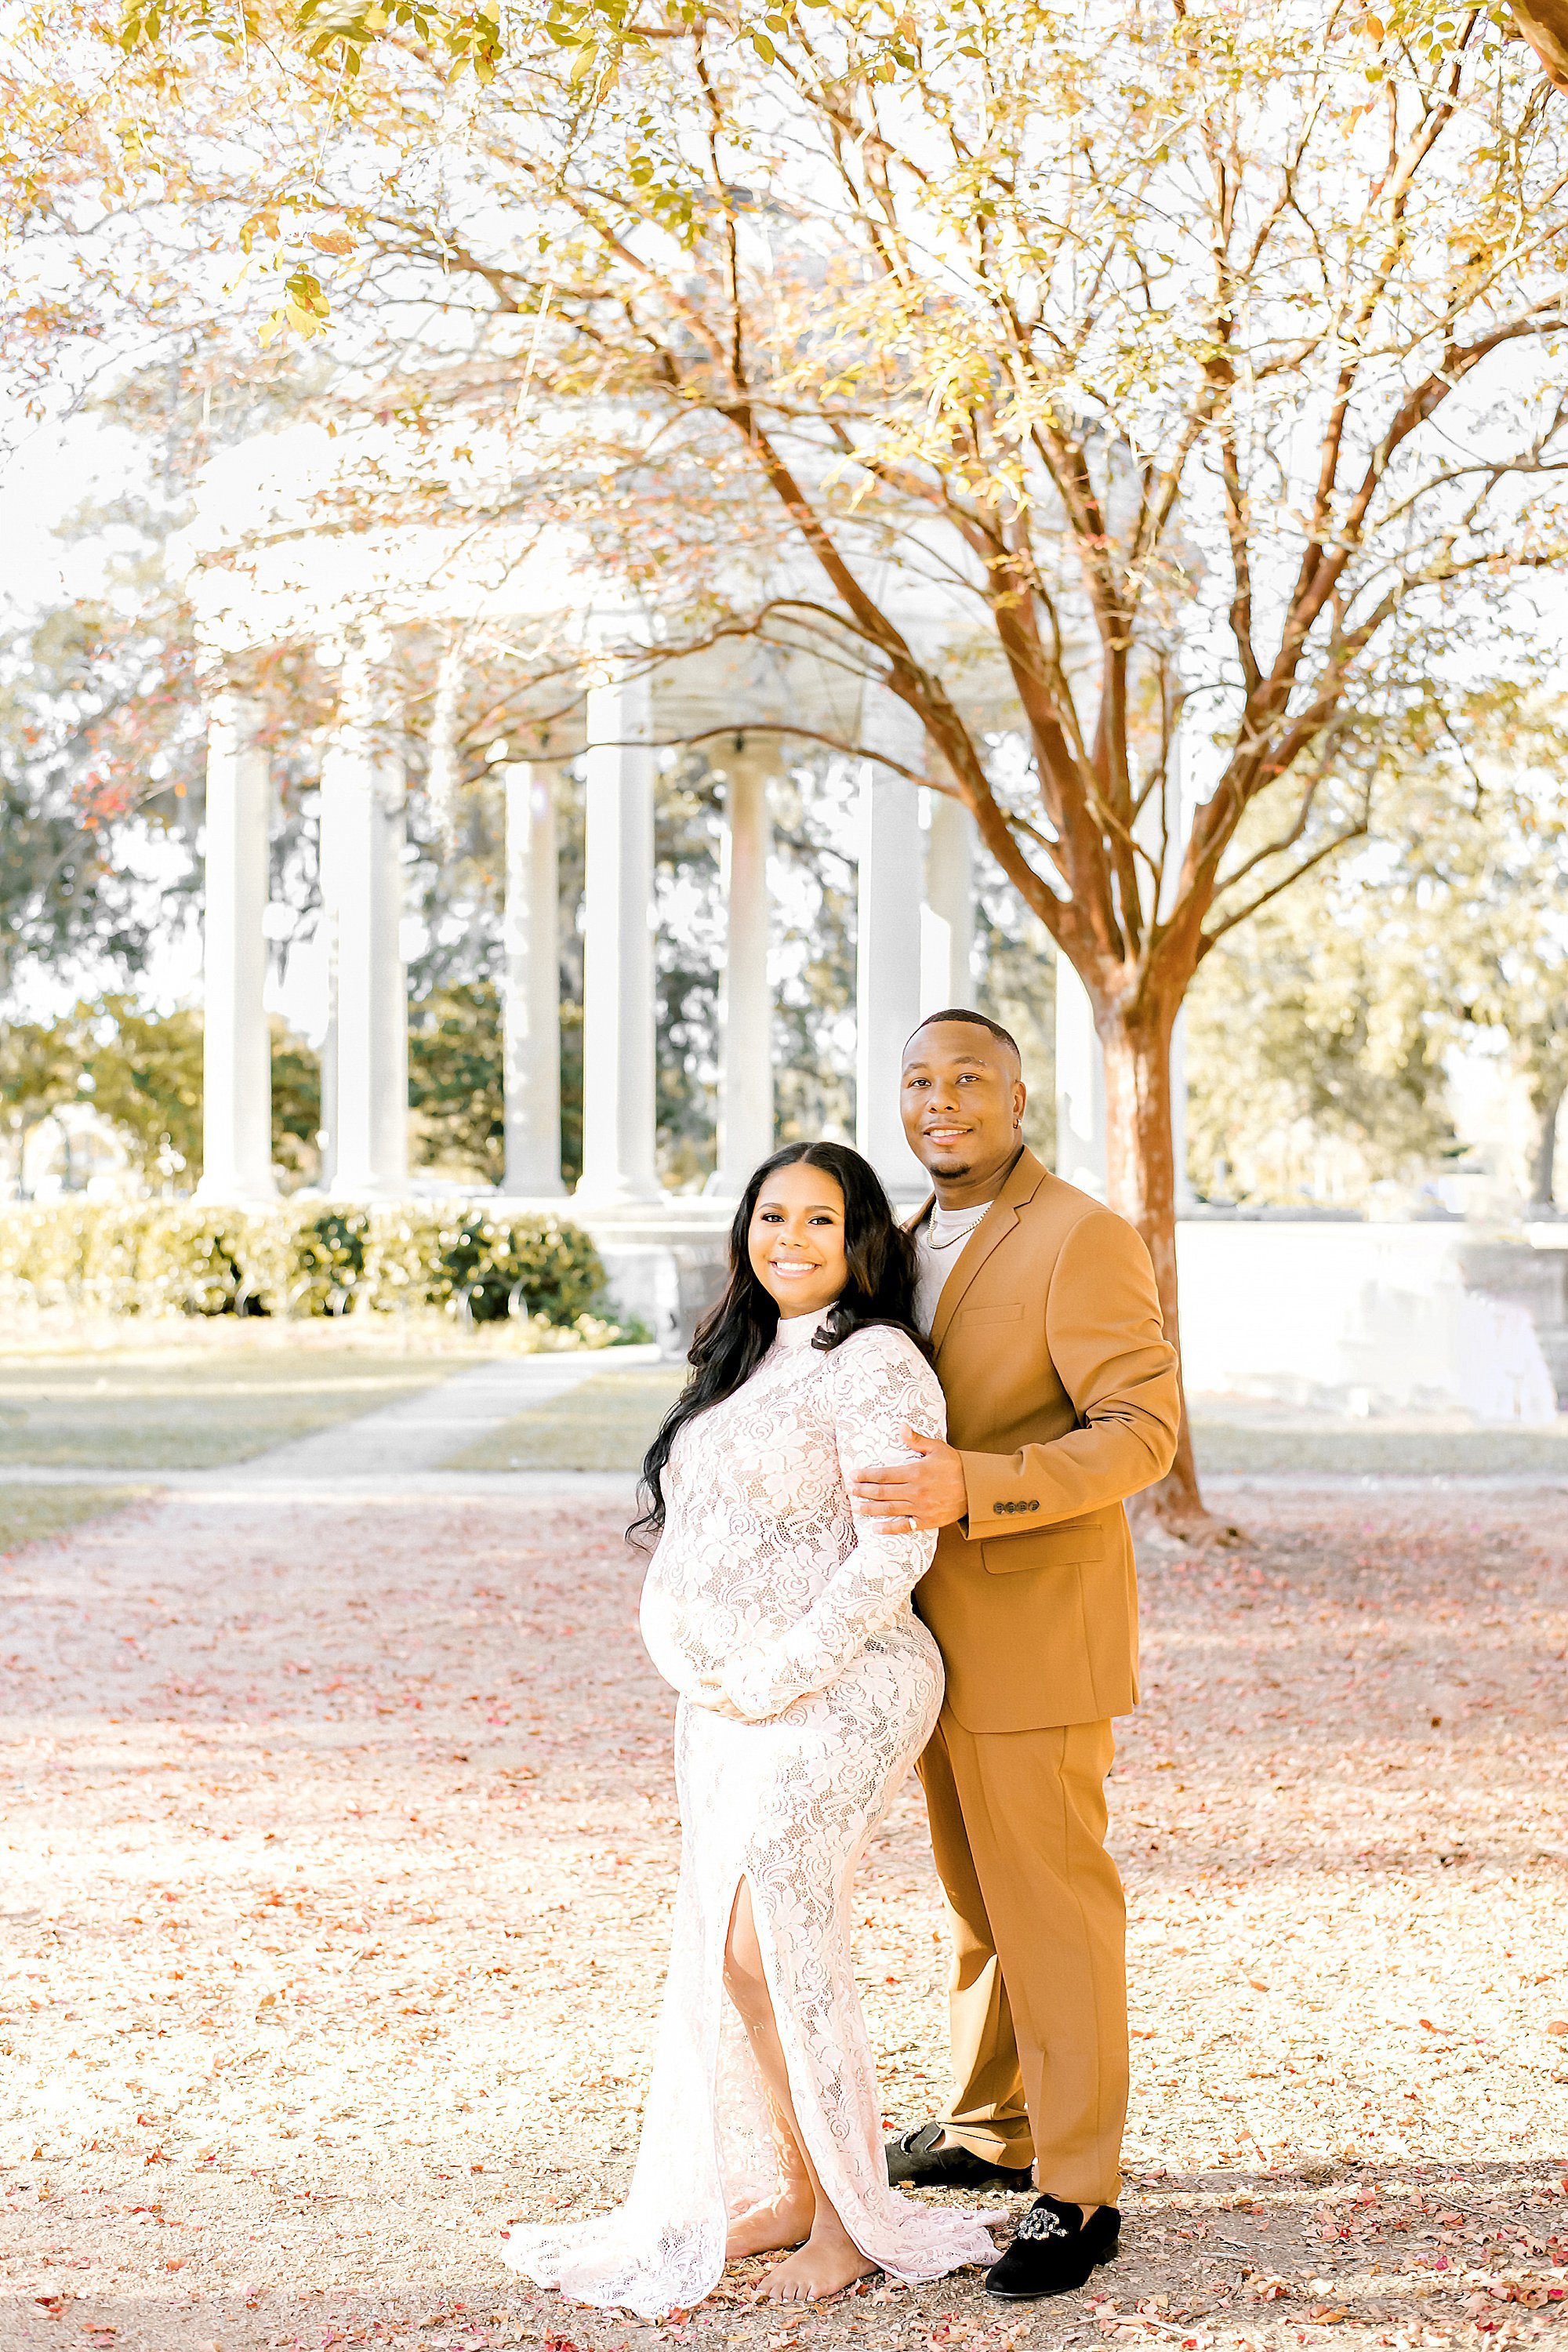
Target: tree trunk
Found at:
x=1545, y=23
x=1546, y=1100
x=1140, y=1185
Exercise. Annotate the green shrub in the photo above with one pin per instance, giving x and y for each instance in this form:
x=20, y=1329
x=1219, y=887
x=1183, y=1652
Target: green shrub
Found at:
x=324, y=1265
x=297, y=1257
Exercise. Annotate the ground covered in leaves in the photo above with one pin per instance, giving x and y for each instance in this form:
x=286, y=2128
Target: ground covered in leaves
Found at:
x=336, y=1860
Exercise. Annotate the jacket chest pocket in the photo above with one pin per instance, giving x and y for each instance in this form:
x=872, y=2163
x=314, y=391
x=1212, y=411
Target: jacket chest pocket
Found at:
x=978, y=1319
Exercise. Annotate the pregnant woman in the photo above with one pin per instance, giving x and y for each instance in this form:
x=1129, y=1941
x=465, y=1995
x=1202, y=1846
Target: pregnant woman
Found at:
x=807, y=1687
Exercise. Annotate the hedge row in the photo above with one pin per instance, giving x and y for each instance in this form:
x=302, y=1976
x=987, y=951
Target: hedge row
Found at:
x=299, y=1257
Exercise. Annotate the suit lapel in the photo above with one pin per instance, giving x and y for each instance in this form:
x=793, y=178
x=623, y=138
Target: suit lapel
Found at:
x=992, y=1230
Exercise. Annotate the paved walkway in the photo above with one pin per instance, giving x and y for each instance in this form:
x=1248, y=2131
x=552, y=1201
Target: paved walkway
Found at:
x=421, y=1431
x=351, y=1482
x=394, y=1452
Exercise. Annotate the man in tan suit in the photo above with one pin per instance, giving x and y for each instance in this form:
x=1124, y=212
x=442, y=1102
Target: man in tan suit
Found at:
x=1062, y=1399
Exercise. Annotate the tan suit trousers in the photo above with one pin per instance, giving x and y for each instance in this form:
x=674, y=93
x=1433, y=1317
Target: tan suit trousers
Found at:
x=1039, y=1981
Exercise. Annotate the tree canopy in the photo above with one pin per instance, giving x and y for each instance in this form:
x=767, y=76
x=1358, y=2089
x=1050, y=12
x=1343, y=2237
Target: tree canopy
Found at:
x=1173, y=390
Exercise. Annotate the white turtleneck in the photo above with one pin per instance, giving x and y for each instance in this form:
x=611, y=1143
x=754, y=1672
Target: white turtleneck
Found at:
x=798, y=1330
x=939, y=1245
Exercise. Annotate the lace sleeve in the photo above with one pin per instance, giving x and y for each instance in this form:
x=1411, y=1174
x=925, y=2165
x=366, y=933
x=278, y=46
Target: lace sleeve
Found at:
x=881, y=1386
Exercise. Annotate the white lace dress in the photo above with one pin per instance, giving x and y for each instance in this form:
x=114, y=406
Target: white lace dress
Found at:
x=763, y=1576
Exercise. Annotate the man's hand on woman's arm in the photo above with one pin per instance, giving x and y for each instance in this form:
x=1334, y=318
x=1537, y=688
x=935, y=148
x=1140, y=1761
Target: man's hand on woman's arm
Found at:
x=929, y=1493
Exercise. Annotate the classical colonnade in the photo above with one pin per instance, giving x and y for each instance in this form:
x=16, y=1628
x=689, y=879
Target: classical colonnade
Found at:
x=915, y=951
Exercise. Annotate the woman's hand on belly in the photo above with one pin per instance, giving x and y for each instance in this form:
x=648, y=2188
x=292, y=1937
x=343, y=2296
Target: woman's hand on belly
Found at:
x=710, y=1692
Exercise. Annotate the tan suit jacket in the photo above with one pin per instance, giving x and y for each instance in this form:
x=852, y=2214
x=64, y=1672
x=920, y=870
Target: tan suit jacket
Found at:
x=1063, y=1398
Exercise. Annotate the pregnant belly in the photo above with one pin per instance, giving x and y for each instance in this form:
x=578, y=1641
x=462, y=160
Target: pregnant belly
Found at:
x=889, y=1694
x=807, y=1785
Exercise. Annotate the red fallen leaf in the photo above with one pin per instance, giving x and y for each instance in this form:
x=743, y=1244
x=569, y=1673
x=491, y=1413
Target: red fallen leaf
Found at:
x=1558, y=2025
x=53, y=2304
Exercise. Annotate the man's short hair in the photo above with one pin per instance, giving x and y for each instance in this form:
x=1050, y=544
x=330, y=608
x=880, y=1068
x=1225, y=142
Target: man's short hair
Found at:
x=976, y=1020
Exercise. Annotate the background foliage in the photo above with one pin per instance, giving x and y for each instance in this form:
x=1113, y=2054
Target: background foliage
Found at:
x=1321, y=1039
x=148, y=1257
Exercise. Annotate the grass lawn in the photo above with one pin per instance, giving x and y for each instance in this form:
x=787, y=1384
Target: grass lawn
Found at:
x=29, y=1514
x=182, y=1407
x=1241, y=1438
x=604, y=1424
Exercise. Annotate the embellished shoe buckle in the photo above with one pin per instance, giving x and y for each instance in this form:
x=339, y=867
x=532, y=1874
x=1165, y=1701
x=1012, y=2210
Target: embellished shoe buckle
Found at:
x=1040, y=2221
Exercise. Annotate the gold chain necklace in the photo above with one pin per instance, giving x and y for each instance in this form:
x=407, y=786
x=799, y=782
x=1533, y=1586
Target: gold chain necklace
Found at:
x=953, y=1240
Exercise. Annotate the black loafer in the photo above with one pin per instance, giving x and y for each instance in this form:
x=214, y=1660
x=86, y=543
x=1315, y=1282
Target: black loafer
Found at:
x=1054, y=2251
x=915, y=2161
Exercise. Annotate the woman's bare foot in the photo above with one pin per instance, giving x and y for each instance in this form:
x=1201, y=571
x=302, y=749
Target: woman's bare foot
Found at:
x=781, y=2220
x=827, y=2263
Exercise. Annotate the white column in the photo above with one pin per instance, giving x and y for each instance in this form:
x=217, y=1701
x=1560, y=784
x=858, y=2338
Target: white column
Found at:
x=236, y=1049
x=887, y=954
x=746, y=1076
x=1080, y=1086
x=947, y=920
x=364, y=829
x=531, y=1008
x=618, y=1011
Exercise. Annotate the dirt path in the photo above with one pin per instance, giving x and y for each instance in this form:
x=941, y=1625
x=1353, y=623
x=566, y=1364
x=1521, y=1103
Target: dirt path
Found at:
x=335, y=1862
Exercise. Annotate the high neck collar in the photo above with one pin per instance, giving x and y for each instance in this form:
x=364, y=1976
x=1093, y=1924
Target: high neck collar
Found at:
x=797, y=1332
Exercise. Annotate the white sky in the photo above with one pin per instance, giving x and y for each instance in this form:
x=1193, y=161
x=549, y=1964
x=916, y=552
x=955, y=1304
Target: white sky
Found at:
x=47, y=470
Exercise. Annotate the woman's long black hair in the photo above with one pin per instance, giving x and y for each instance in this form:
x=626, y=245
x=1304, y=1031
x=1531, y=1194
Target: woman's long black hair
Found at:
x=734, y=1336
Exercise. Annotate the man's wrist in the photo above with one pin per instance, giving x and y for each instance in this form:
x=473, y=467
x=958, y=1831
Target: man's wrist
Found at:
x=989, y=1509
